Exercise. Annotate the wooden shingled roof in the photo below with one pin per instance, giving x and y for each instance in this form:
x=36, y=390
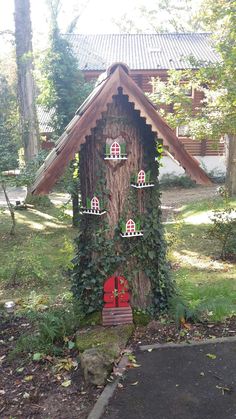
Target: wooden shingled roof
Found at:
x=86, y=118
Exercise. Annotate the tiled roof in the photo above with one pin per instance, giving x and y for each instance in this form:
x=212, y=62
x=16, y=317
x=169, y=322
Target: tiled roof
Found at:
x=44, y=119
x=142, y=51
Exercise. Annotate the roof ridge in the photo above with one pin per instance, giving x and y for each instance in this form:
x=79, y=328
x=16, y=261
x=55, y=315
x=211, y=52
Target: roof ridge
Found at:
x=140, y=34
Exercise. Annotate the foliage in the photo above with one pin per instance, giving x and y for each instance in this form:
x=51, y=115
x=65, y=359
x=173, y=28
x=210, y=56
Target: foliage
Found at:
x=141, y=317
x=171, y=180
x=51, y=332
x=28, y=170
x=223, y=229
x=182, y=312
x=9, y=128
x=175, y=17
x=63, y=87
x=217, y=115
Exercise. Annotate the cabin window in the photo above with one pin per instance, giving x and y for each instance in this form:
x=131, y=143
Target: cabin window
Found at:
x=95, y=203
x=115, y=149
x=130, y=226
x=141, y=176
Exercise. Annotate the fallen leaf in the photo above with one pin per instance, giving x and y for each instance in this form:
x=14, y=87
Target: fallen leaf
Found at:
x=134, y=384
x=2, y=358
x=28, y=378
x=37, y=356
x=211, y=356
x=133, y=365
x=20, y=369
x=66, y=383
x=71, y=344
x=224, y=389
x=26, y=395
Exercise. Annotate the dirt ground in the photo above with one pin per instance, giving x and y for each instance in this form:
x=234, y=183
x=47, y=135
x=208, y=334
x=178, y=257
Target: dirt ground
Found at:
x=173, y=197
x=176, y=197
x=42, y=389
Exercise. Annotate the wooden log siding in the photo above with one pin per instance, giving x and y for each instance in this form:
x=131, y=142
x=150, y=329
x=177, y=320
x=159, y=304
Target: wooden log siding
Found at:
x=86, y=119
x=143, y=80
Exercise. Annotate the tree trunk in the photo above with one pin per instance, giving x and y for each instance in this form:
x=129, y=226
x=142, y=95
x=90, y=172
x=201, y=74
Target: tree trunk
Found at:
x=120, y=119
x=26, y=86
x=13, y=228
x=75, y=208
x=231, y=165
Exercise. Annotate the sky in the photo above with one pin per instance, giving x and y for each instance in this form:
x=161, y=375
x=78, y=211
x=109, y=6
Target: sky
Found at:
x=97, y=17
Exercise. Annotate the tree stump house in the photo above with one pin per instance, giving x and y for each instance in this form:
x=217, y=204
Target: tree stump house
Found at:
x=119, y=135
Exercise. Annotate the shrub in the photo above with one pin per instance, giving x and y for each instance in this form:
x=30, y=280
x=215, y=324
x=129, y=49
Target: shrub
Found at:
x=182, y=312
x=51, y=333
x=223, y=229
x=171, y=180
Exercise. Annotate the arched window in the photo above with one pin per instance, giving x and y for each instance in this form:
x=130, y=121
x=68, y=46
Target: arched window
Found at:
x=95, y=203
x=141, y=176
x=115, y=149
x=130, y=226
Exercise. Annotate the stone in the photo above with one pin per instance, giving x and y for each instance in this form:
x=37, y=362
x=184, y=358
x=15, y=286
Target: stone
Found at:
x=97, y=363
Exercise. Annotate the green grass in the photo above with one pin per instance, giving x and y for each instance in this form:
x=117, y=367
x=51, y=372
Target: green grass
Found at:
x=37, y=258
x=205, y=205
x=206, y=284
x=34, y=263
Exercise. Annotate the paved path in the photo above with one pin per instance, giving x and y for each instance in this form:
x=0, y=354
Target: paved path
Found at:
x=19, y=194
x=180, y=383
x=171, y=198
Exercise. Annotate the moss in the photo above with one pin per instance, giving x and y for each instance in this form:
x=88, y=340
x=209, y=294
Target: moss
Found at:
x=103, y=337
x=141, y=318
x=92, y=319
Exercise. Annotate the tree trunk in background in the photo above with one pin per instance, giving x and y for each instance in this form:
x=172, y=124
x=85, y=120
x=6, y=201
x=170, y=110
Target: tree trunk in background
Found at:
x=231, y=165
x=75, y=207
x=26, y=86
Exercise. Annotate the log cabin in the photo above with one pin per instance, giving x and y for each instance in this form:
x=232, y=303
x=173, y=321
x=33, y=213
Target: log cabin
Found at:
x=148, y=56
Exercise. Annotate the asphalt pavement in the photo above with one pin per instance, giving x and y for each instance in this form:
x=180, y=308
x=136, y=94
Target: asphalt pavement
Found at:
x=193, y=382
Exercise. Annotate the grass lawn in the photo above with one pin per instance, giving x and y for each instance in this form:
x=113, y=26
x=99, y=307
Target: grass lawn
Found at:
x=205, y=283
x=34, y=263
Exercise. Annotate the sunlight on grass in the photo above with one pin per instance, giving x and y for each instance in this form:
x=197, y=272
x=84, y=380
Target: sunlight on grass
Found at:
x=38, y=256
x=205, y=283
x=194, y=259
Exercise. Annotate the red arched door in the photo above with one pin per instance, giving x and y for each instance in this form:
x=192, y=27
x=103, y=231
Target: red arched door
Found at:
x=116, y=292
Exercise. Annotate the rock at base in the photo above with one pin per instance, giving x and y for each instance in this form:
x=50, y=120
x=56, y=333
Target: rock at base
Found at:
x=97, y=363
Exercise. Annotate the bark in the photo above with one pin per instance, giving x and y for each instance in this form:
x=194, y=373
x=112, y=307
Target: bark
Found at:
x=11, y=210
x=75, y=208
x=231, y=165
x=26, y=86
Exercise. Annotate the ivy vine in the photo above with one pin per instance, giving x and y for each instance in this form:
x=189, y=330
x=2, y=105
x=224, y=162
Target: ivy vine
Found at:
x=98, y=256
